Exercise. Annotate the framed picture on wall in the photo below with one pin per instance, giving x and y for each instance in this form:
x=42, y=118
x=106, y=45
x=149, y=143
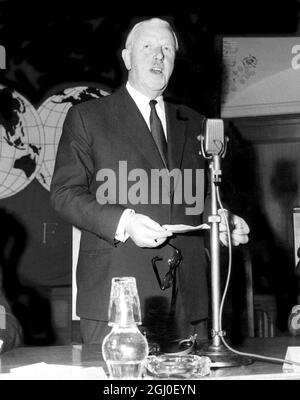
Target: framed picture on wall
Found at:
x=261, y=76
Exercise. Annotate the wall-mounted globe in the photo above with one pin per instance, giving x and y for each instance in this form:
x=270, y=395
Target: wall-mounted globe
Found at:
x=52, y=113
x=21, y=144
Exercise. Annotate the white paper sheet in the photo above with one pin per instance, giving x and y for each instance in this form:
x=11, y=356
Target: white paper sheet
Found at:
x=44, y=371
x=181, y=228
x=292, y=354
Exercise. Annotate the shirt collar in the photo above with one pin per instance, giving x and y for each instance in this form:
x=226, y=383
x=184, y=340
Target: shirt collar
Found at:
x=142, y=100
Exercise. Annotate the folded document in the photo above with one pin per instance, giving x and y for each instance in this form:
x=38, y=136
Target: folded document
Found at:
x=181, y=228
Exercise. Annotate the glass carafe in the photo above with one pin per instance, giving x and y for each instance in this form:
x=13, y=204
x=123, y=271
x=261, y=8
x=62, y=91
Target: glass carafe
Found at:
x=124, y=349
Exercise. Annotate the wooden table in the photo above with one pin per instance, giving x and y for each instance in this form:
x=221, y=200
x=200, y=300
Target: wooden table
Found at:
x=90, y=356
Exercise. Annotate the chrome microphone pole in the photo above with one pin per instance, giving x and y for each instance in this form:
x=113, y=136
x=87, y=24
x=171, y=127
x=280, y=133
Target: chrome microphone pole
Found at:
x=214, y=220
x=220, y=355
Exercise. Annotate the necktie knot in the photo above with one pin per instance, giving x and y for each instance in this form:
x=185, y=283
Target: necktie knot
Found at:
x=152, y=104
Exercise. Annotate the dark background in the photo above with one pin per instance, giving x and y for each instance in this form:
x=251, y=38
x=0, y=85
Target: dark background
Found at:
x=54, y=44
x=50, y=43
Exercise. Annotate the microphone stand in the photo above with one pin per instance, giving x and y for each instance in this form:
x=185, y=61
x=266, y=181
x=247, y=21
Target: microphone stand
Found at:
x=220, y=355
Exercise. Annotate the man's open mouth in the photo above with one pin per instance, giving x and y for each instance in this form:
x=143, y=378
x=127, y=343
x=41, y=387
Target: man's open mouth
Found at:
x=156, y=70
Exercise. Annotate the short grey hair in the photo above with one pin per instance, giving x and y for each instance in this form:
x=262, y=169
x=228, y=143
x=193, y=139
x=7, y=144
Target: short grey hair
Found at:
x=156, y=21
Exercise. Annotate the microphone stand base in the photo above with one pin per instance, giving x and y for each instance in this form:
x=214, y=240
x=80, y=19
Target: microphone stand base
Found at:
x=222, y=357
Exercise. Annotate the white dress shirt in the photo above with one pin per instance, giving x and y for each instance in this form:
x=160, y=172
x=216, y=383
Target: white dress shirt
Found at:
x=142, y=103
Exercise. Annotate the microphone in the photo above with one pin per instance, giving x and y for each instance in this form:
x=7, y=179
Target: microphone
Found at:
x=213, y=142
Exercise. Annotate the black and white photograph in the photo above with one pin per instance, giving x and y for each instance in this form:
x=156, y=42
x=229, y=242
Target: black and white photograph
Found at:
x=150, y=193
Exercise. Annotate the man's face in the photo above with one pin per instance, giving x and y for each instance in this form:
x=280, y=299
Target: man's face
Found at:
x=150, y=59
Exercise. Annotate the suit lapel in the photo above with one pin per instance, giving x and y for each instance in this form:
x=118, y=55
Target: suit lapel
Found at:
x=136, y=129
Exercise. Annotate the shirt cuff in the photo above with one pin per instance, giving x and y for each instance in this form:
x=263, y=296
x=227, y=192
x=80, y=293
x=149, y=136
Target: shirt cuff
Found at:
x=121, y=234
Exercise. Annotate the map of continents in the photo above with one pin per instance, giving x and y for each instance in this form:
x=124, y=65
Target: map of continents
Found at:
x=52, y=113
x=21, y=144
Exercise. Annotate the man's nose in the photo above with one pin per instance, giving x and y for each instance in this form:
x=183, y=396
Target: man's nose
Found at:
x=158, y=53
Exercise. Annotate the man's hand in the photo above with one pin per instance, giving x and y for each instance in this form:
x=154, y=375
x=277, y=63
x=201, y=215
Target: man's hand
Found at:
x=145, y=232
x=238, y=227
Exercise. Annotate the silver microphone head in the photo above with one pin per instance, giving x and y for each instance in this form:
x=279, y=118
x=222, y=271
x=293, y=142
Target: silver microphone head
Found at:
x=214, y=139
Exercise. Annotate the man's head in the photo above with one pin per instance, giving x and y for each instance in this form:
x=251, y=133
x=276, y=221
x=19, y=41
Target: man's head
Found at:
x=149, y=56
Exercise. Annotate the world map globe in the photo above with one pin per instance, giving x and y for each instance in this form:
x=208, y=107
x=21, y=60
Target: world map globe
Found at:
x=52, y=113
x=21, y=143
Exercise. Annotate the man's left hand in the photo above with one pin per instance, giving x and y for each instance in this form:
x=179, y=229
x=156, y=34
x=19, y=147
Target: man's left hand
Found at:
x=238, y=227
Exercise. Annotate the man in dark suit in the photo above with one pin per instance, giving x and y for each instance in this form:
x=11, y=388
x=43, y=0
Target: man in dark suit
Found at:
x=109, y=155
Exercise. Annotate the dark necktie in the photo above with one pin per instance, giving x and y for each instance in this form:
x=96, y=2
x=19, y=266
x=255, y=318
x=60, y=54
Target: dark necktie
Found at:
x=158, y=132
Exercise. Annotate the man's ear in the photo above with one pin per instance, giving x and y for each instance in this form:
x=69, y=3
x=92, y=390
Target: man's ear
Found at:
x=126, y=58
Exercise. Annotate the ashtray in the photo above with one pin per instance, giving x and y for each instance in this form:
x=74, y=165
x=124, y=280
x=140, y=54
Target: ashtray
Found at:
x=178, y=366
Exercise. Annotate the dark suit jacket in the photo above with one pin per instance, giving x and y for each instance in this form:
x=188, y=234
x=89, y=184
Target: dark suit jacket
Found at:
x=98, y=134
